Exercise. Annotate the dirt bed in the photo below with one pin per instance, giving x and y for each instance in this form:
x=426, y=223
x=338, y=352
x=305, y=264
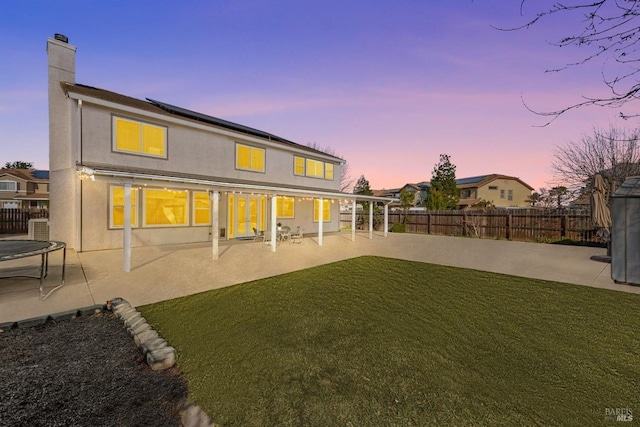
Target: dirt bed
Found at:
x=85, y=371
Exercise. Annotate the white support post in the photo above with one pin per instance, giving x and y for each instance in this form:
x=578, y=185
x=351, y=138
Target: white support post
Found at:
x=126, y=244
x=370, y=220
x=386, y=219
x=215, y=222
x=320, y=220
x=274, y=225
x=353, y=221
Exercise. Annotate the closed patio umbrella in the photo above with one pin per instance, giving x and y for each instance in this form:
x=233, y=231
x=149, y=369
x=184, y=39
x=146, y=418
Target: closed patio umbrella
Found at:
x=600, y=212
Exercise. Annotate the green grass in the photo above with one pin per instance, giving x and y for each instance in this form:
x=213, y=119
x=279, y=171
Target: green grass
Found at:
x=383, y=342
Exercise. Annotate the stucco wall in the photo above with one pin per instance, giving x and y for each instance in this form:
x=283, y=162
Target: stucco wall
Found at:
x=193, y=151
x=520, y=193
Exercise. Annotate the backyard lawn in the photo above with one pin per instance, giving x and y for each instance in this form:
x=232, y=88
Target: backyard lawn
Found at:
x=378, y=342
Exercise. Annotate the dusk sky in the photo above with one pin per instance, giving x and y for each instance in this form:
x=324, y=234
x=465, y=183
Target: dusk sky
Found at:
x=389, y=86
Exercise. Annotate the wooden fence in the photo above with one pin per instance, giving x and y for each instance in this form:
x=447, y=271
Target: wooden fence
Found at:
x=516, y=224
x=16, y=221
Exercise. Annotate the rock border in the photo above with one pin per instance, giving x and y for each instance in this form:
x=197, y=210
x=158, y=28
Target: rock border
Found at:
x=158, y=354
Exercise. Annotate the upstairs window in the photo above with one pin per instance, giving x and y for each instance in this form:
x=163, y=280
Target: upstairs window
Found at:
x=313, y=168
x=8, y=186
x=130, y=136
x=298, y=166
x=250, y=158
x=328, y=171
x=510, y=195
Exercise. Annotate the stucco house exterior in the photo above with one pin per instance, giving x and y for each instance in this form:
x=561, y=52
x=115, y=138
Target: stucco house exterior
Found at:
x=501, y=191
x=24, y=189
x=126, y=172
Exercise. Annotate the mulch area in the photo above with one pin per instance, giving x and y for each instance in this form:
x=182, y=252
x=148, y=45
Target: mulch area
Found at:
x=85, y=371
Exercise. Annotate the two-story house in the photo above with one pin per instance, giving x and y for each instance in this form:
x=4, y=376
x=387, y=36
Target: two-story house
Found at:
x=24, y=189
x=501, y=191
x=126, y=172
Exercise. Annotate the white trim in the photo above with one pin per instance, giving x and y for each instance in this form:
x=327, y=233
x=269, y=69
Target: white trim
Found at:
x=15, y=186
x=194, y=209
x=197, y=184
x=144, y=209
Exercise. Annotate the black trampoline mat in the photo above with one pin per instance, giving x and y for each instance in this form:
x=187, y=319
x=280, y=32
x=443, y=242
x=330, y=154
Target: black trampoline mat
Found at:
x=12, y=249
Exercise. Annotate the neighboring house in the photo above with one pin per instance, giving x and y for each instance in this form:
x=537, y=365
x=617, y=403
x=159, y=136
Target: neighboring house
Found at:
x=24, y=189
x=419, y=194
x=127, y=172
x=501, y=191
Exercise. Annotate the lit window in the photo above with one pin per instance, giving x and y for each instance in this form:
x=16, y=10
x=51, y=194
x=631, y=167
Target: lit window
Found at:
x=285, y=207
x=249, y=158
x=201, y=208
x=141, y=138
x=298, y=166
x=315, y=168
x=116, y=207
x=165, y=207
x=326, y=210
x=328, y=171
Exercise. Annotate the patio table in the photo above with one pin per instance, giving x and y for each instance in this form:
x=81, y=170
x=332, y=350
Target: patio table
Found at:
x=12, y=249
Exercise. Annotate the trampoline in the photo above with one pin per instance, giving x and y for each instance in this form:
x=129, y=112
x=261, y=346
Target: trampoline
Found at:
x=16, y=249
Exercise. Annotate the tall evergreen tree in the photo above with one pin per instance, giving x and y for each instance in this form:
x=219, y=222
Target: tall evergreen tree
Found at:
x=443, y=191
x=18, y=165
x=362, y=187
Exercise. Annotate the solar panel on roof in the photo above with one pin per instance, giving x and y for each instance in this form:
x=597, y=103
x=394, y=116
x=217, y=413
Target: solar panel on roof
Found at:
x=40, y=174
x=471, y=180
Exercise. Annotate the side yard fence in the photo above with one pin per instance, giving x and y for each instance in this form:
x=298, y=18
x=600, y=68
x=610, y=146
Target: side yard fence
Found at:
x=16, y=221
x=525, y=224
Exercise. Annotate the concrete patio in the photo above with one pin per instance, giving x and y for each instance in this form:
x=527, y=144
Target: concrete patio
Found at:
x=164, y=272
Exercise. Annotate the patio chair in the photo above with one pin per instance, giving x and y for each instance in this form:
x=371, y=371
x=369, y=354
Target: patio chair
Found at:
x=257, y=234
x=297, y=237
x=266, y=237
x=285, y=234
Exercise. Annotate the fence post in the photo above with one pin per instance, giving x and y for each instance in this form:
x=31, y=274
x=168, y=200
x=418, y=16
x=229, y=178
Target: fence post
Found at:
x=509, y=222
x=428, y=223
x=563, y=226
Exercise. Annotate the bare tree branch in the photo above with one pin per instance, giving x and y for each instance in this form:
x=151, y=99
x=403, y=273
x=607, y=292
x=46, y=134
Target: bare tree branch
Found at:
x=610, y=32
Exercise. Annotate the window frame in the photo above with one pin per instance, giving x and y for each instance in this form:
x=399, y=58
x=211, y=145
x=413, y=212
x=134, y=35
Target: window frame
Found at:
x=187, y=205
x=316, y=212
x=134, y=203
x=251, y=151
x=195, y=209
x=15, y=186
x=280, y=207
x=510, y=195
x=142, y=124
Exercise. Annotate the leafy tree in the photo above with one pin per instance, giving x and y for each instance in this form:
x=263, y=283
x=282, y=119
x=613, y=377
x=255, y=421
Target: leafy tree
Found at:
x=534, y=198
x=406, y=201
x=614, y=153
x=443, y=191
x=606, y=31
x=362, y=187
x=558, y=195
x=18, y=165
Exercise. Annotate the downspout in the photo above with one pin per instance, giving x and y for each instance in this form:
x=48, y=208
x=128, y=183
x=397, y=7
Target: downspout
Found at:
x=79, y=238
